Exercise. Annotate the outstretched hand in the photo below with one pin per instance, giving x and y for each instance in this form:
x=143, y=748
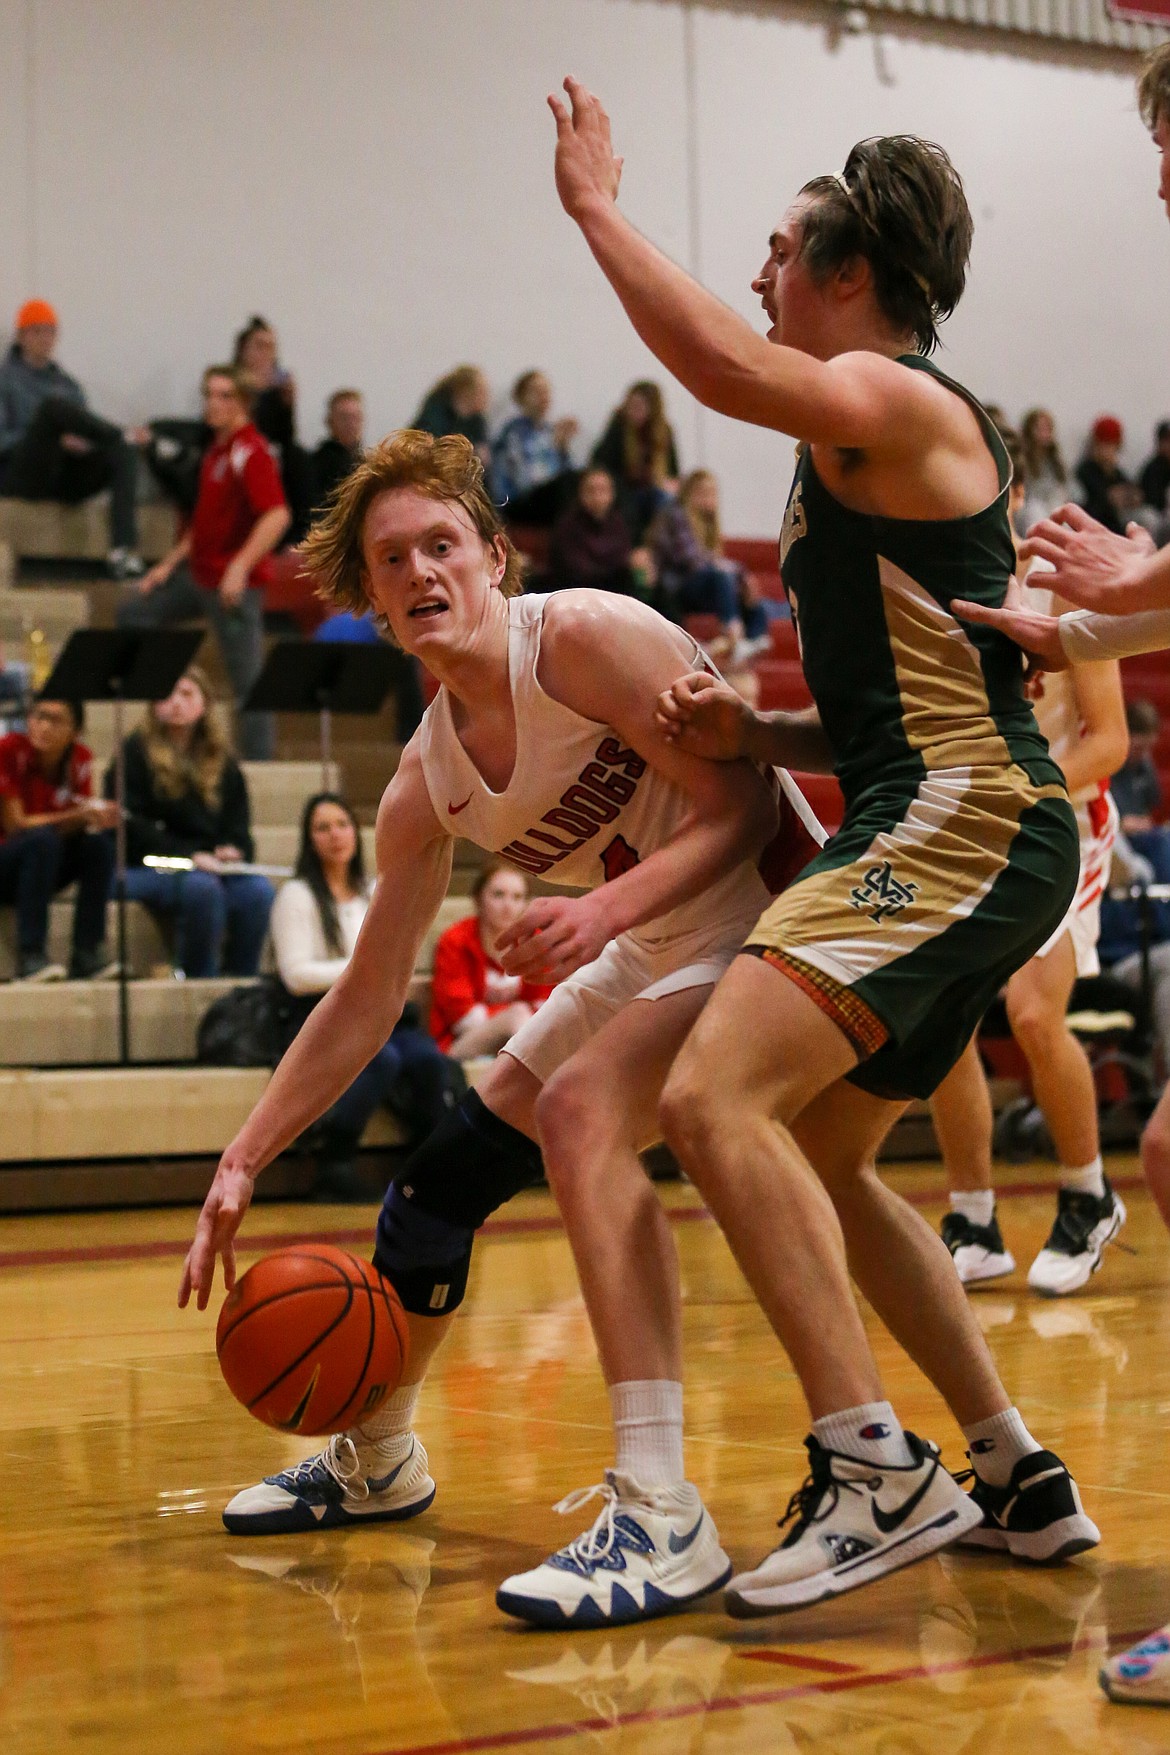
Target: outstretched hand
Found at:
x=1092, y=567
x=227, y=1202
x=703, y=715
x=1038, y=636
x=586, y=169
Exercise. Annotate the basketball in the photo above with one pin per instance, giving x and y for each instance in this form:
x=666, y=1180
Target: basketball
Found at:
x=311, y=1339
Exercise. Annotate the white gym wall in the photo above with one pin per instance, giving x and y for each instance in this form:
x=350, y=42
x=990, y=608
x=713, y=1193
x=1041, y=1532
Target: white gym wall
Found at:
x=375, y=176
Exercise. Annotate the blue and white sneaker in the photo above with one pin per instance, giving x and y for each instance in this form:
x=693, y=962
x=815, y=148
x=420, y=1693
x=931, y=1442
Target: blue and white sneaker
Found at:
x=650, y=1551
x=1141, y=1675
x=330, y=1489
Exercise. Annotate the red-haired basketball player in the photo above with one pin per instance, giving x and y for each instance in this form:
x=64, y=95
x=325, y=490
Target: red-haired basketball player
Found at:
x=540, y=746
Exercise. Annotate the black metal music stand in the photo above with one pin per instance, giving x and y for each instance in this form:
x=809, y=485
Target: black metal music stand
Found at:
x=120, y=665
x=323, y=677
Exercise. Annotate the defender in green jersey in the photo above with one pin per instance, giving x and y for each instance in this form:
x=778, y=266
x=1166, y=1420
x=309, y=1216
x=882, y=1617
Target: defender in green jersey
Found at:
x=957, y=858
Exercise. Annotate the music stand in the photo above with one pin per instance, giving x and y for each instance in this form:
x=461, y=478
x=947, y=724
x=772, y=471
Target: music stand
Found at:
x=323, y=677
x=120, y=665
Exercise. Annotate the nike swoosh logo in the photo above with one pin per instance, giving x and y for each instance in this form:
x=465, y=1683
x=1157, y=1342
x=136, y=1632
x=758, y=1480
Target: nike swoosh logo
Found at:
x=454, y=809
x=680, y=1544
x=298, y=1413
x=890, y=1520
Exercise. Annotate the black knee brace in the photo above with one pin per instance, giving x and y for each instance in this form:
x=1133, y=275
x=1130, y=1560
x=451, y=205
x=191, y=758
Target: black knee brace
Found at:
x=467, y=1167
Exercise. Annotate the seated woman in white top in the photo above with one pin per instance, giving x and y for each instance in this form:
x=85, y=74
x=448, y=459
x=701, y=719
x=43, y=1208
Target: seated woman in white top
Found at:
x=315, y=923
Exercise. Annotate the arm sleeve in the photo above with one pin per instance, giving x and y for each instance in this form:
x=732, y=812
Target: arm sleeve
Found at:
x=236, y=812
x=261, y=480
x=454, y=985
x=1088, y=638
x=298, y=941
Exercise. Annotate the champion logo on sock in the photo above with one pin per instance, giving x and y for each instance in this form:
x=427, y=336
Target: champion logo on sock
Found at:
x=873, y=1433
x=981, y=1446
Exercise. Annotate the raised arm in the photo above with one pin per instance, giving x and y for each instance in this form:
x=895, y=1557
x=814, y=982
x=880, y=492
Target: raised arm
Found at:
x=1096, y=569
x=856, y=401
x=343, y=1032
x=609, y=658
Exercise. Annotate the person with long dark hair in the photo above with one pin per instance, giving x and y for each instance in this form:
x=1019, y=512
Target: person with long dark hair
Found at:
x=316, y=920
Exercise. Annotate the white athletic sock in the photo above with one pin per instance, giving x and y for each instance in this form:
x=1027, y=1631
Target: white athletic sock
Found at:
x=388, y=1431
x=648, y=1420
x=872, y=1433
x=996, y=1446
x=1089, y=1179
x=975, y=1204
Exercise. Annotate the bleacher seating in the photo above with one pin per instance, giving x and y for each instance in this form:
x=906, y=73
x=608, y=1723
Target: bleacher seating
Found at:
x=44, y=530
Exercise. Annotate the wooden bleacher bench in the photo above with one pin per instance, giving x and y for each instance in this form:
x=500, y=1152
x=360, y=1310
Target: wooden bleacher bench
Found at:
x=48, y=531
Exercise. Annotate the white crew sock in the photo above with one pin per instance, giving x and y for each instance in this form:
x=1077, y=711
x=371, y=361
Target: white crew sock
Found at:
x=1089, y=1179
x=387, y=1432
x=648, y=1420
x=975, y=1204
x=996, y=1446
x=872, y=1433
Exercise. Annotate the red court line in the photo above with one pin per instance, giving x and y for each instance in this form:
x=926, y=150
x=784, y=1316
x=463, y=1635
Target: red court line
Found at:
x=160, y=1248
x=560, y=1732
x=797, y=1661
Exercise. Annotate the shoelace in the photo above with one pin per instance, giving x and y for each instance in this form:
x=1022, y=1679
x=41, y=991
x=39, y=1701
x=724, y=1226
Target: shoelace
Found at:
x=1077, y=1215
x=820, y=1483
x=599, y=1538
x=339, y=1451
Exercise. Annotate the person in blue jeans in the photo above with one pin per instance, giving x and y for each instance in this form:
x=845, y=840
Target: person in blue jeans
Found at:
x=695, y=577
x=315, y=924
x=186, y=797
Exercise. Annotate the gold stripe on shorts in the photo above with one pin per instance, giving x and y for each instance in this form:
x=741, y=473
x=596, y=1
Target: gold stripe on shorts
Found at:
x=858, y=1022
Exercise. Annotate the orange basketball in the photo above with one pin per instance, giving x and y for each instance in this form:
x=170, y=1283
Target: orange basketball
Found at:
x=311, y=1339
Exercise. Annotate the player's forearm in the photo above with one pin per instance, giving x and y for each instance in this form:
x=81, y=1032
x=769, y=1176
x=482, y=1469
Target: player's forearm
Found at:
x=1098, y=755
x=704, y=848
x=791, y=740
x=1088, y=637
x=338, y=1040
x=701, y=341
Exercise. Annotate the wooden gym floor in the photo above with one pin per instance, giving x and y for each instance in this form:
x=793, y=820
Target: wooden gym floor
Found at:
x=130, y=1622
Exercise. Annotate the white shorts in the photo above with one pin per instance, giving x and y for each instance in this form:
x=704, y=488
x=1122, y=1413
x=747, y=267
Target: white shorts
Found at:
x=627, y=969
x=1098, y=823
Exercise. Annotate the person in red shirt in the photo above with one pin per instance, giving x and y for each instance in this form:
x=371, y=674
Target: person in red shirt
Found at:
x=52, y=831
x=475, y=1006
x=219, y=566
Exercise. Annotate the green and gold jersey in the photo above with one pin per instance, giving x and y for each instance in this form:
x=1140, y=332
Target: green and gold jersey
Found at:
x=902, y=687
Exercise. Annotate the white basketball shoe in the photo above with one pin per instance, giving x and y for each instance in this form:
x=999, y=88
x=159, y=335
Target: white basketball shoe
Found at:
x=852, y=1523
x=1084, y=1225
x=334, y=1487
x=650, y=1551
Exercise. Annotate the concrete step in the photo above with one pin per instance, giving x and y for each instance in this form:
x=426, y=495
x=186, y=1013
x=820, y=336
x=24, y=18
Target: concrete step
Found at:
x=74, y=1023
x=44, y=530
x=53, y=613
x=140, y=1112
x=277, y=790
x=146, y=945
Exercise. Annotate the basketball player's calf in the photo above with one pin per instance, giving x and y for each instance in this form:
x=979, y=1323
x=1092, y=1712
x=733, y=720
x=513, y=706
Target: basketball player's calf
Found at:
x=472, y=1163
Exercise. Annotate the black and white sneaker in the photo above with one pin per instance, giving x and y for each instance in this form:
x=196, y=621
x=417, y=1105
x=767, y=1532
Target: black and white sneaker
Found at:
x=1072, y=1254
x=852, y=1523
x=977, y=1251
x=1038, y=1516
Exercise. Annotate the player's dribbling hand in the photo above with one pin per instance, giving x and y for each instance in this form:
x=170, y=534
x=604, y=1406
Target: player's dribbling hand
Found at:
x=554, y=936
x=227, y=1201
x=704, y=716
x=1092, y=567
x=586, y=168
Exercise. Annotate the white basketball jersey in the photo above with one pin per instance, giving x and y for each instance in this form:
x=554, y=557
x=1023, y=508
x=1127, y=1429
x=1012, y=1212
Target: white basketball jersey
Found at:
x=581, y=806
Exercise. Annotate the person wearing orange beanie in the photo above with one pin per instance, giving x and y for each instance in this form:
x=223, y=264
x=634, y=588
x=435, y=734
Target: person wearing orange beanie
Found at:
x=52, y=447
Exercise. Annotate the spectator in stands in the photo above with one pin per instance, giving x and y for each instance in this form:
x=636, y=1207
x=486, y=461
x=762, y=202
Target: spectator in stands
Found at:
x=1044, y=466
x=1155, y=481
x=638, y=450
x=591, y=546
x=186, y=798
x=1107, y=493
x=256, y=356
x=694, y=575
x=341, y=450
x=52, y=832
x=53, y=448
x=1125, y=924
x=315, y=923
x=532, y=464
x=1136, y=788
x=475, y=1007
x=219, y=567
x=458, y=403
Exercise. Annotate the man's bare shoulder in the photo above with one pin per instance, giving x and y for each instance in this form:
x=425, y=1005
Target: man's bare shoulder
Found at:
x=604, y=626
